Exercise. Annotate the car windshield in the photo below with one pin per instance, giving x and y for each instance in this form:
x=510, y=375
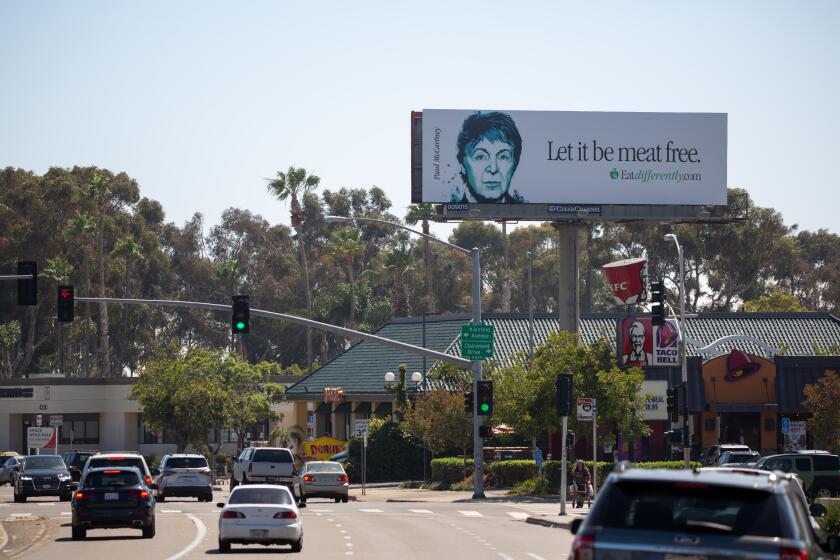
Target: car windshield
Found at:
x=324, y=468
x=111, y=479
x=44, y=462
x=740, y=457
x=272, y=456
x=186, y=463
x=260, y=496
x=98, y=462
x=689, y=507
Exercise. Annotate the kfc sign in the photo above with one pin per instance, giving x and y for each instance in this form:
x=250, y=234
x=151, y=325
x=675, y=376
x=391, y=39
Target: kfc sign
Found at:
x=627, y=280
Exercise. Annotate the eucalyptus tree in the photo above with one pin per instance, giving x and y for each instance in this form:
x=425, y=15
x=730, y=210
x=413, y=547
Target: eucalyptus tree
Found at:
x=421, y=213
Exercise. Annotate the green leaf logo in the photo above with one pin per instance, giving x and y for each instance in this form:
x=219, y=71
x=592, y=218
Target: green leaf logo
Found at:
x=614, y=173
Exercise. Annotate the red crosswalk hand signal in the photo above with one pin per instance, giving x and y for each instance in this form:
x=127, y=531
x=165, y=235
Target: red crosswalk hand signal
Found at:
x=65, y=304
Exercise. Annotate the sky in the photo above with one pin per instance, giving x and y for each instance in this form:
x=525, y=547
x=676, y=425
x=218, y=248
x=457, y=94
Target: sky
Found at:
x=200, y=102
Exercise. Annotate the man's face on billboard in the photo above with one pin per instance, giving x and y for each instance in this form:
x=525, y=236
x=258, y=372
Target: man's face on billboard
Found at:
x=489, y=167
x=637, y=338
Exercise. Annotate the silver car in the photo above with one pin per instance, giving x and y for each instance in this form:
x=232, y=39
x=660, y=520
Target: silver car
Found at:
x=324, y=479
x=9, y=466
x=183, y=475
x=260, y=514
x=709, y=514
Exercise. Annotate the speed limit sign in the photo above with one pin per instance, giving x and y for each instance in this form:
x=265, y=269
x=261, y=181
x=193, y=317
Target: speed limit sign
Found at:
x=585, y=408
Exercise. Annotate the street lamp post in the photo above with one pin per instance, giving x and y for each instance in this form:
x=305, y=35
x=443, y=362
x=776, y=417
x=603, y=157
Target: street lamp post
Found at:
x=478, y=444
x=683, y=357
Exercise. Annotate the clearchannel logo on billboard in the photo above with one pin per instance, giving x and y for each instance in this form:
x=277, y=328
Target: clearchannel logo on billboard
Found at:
x=555, y=157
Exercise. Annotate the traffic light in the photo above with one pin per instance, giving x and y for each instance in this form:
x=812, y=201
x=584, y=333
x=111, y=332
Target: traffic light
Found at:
x=570, y=439
x=563, y=397
x=65, y=304
x=657, y=303
x=485, y=398
x=468, y=402
x=27, y=288
x=671, y=401
x=485, y=431
x=241, y=315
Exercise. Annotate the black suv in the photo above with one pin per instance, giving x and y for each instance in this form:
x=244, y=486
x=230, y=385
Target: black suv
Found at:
x=43, y=475
x=75, y=461
x=112, y=498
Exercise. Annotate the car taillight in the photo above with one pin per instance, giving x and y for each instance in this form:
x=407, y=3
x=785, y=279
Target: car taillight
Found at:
x=148, y=480
x=111, y=472
x=584, y=547
x=793, y=554
x=79, y=495
x=285, y=515
x=308, y=478
x=231, y=514
x=342, y=478
x=143, y=494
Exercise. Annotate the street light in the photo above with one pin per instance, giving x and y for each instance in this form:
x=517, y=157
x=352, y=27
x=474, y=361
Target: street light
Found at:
x=478, y=443
x=683, y=357
x=417, y=377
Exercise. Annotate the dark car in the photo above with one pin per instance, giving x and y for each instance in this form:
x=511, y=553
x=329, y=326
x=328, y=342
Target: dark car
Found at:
x=120, y=459
x=75, y=460
x=658, y=513
x=43, y=475
x=113, y=498
x=9, y=466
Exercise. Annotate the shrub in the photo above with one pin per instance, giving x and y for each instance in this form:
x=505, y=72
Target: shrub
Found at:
x=450, y=469
x=391, y=456
x=511, y=473
x=830, y=522
x=533, y=487
x=461, y=486
x=551, y=470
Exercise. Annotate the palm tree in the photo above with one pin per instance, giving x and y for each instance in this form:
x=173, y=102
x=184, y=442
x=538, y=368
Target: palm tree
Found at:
x=101, y=195
x=421, y=213
x=284, y=436
x=130, y=251
x=398, y=262
x=344, y=247
x=293, y=185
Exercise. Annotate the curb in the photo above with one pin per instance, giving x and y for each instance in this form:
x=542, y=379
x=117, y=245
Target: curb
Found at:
x=565, y=524
x=375, y=485
x=4, y=537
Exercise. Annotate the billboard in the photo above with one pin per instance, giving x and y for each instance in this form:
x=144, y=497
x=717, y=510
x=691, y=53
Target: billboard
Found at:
x=642, y=344
x=572, y=158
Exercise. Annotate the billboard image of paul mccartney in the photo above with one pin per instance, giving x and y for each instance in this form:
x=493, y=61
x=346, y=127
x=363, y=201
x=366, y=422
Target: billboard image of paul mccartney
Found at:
x=489, y=147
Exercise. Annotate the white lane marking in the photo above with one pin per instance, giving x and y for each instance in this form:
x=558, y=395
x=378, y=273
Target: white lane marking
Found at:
x=535, y=556
x=371, y=510
x=420, y=511
x=343, y=531
x=504, y=556
x=518, y=514
x=66, y=513
x=331, y=520
x=21, y=515
x=346, y=536
x=470, y=513
x=171, y=511
x=338, y=524
x=46, y=504
x=348, y=544
x=200, y=533
x=348, y=553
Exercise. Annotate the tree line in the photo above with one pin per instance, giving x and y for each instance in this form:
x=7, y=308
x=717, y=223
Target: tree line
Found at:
x=92, y=228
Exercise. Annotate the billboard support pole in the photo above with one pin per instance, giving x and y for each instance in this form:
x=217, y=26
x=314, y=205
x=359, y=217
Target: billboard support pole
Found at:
x=594, y=449
x=563, y=468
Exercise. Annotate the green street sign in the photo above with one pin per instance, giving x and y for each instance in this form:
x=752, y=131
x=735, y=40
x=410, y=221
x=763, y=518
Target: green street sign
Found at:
x=477, y=341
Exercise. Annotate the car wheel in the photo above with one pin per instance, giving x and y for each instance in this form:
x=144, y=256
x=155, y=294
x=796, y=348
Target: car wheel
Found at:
x=224, y=546
x=337, y=500
x=18, y=498
x=149, y=532
x=298, y=546
x=823, y=492
x=345, y=499
x=302, y=499
x=78, y=533
x=244, y=479
x=65, y=497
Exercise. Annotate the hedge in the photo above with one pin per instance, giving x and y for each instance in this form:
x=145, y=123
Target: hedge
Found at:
x=511, y=473
x=391, y=456
x=450, y=469
x=830, y=522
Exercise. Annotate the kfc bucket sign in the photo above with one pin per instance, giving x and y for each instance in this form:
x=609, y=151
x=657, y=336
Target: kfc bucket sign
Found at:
x=627, y=280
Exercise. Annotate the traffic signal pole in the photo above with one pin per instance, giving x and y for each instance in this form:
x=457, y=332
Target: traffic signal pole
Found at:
x=349, y=333
x=683, y=357
x=478, y=443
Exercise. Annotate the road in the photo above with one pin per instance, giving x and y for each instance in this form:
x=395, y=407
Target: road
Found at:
x=372, y=527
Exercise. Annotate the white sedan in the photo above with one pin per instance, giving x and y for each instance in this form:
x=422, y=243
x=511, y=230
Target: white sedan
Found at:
x=260, y=514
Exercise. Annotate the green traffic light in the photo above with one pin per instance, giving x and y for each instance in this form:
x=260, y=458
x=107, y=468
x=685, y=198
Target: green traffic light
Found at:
x=485, y=407
x=240, y=326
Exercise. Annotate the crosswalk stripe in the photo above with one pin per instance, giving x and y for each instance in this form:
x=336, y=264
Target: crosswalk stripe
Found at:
x=372, y=510
x=420, y=511
x=535, y=557
x=470, y=513
x=518, y=514
x=66, y=513
x=46, y=504
x=504, y=556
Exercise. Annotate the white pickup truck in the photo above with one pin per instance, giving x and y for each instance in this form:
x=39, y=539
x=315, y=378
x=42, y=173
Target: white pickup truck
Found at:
x=266, y=465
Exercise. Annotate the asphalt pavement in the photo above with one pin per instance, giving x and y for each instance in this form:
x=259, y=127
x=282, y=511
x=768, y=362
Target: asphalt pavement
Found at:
x=385, y=523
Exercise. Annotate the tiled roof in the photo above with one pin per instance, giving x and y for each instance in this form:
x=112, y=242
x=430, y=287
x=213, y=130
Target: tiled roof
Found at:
x=361, y=368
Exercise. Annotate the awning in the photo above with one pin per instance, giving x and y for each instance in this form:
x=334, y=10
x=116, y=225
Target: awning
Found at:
x=324, y=408
x=744, y=407
x=343, y=408
x=362, y=408
x=383, y=409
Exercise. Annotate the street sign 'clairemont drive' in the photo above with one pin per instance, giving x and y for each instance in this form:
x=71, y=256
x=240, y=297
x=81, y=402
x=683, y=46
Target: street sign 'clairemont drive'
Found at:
x=477, y=341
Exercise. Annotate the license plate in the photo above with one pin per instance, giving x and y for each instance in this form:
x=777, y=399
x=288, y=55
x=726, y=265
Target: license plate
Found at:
x=112, y=495
x=48, y=486
x=272, y=478
x=684, y=557
x=259, y=532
